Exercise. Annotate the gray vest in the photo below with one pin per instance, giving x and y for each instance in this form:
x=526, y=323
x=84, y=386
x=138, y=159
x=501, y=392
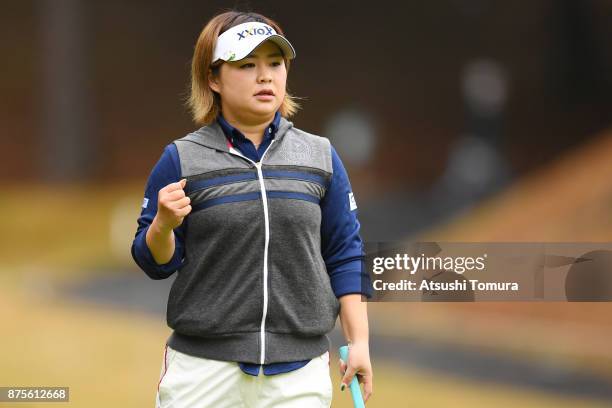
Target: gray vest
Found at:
x=254, y=287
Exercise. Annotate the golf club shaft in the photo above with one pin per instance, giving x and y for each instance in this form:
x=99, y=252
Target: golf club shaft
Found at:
x=354, y=385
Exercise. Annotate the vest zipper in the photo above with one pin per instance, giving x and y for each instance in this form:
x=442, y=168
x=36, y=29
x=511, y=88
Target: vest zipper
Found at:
x=264, y=198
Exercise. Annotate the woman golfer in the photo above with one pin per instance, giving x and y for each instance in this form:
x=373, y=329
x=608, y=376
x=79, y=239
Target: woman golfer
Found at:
x=258, y=220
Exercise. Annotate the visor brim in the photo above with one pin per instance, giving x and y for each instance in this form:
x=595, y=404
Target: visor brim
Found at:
x=284, y=44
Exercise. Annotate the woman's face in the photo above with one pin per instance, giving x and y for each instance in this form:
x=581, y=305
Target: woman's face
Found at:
x=239, y=83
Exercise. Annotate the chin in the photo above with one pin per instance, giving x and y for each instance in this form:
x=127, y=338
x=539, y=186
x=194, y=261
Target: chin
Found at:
x=265, y=110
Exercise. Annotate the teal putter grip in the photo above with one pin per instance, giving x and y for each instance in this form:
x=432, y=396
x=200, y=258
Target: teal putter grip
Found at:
x=354, y=386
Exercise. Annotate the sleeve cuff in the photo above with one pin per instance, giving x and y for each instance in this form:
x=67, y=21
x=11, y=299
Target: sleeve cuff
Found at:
x=351, y=279
x=144, y=258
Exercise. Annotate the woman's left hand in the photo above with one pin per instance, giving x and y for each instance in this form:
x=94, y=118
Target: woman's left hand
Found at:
x=359, y=364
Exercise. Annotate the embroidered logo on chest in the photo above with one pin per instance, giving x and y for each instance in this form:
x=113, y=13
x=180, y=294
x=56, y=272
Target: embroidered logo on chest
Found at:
x=296, y=150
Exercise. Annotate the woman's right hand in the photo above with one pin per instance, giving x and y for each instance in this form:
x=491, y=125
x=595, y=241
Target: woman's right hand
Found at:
x=172, y=206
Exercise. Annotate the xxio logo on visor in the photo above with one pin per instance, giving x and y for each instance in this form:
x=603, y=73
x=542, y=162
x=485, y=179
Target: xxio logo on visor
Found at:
x=255, y=31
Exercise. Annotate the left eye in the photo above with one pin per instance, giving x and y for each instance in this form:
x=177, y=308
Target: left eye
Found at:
x=250, y=64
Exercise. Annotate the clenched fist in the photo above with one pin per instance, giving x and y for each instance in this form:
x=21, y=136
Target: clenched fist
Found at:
x=172, y=205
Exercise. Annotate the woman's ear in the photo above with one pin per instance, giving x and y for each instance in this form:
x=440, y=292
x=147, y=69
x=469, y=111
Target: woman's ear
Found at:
x=213, y=81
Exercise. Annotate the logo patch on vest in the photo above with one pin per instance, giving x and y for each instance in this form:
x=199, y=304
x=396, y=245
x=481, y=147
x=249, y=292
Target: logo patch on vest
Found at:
x=297, y=151
x=145, y=202
x=352, y=201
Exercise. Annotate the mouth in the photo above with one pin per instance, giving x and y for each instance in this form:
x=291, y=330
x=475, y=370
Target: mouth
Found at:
x=263, y=92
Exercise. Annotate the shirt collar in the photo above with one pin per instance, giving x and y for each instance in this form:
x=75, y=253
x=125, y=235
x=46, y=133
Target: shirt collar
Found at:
x=212, y=135
x=232, y=133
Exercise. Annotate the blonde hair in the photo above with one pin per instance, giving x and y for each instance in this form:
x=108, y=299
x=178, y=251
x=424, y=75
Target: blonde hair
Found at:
x=203, y=102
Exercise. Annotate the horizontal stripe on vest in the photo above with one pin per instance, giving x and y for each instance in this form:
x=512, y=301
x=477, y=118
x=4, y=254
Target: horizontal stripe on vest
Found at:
x=234, y=178
x=251, y=186
x=217, y=181
x=227, y=199
x=254, y=196
x=293, y=196
x=228, y=176
x=200, y=185
x=295, y=175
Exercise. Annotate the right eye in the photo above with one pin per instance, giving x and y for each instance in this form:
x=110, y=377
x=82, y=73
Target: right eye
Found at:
x=247, y=65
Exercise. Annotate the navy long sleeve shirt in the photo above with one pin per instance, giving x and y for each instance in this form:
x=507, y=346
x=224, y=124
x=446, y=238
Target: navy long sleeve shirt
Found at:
x=341, y=244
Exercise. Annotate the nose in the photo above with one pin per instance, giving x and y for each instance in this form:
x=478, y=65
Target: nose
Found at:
x=264, y=75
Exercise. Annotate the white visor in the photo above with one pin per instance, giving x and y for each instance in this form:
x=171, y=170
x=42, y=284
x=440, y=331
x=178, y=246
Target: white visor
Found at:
x=237, y=42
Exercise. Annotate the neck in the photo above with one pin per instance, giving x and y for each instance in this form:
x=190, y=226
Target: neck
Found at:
x=251, y=129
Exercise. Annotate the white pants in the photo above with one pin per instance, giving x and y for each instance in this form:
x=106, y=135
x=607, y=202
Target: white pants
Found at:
x=194, y=382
